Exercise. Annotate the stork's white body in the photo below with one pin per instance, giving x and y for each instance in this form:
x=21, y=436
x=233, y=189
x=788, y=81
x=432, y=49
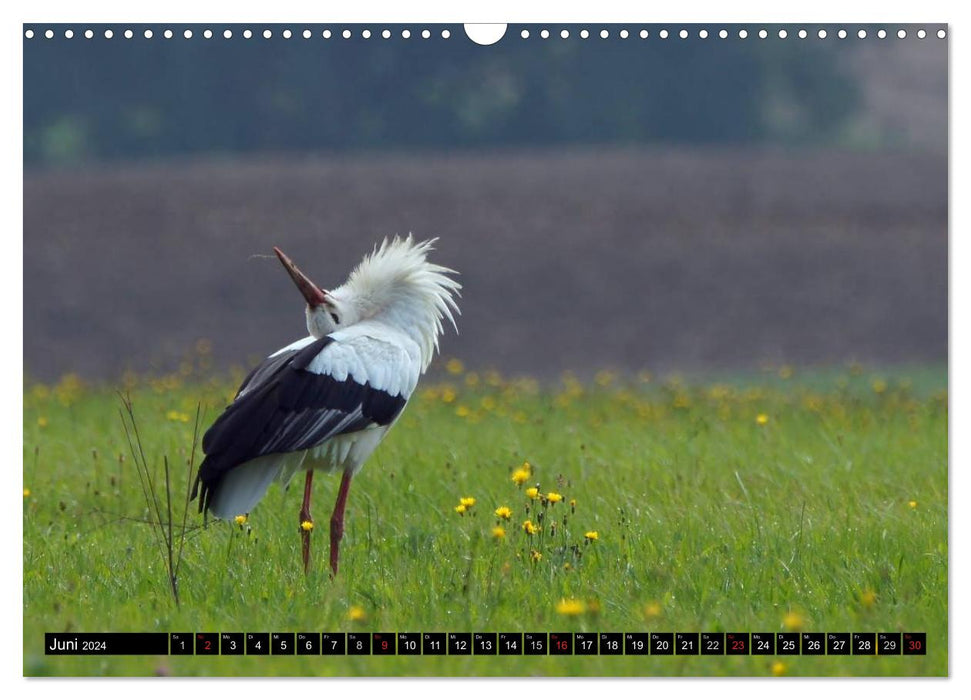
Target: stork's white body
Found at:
x=368, y=353
x=325, y=402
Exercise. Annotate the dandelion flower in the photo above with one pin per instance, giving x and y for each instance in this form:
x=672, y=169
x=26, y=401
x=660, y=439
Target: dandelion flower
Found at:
x=535, y=555
x=454, y=366
x=467, y=501
x=356, y=614
x=571, y=607
x=868, y=598
x=912, y=504
x=532, y=492
x=554, y=497
x=762, y=419
x=592, y=535
x=879, y=386
x=779, y=669
x=177, y=416
x=448, y=395
x=652, y=610
x=573, y=503
x=462, y=411
x=42, y=422
x=530, y=528
x=499, y=532
x=241, y=520
x=306, y=526
x=504, y=512
x=520, y=476
x=460, y=509
x=792, y=620
x=26, y=493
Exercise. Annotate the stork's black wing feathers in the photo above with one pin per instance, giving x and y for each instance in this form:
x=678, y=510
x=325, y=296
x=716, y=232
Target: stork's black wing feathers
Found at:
x=283, y=407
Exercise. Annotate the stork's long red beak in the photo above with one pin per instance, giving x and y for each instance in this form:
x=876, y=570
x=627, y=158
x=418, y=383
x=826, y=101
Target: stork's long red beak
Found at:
x=314, y=295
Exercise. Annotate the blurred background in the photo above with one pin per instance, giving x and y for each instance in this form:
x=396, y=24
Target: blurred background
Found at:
x=660, y=204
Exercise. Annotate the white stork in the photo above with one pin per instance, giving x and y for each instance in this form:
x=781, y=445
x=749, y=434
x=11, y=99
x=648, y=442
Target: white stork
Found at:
x=326, y=401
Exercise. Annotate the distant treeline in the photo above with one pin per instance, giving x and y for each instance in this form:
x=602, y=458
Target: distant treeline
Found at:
x=103, y=99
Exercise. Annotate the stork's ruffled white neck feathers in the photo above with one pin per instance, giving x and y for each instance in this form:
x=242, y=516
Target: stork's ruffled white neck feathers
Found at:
x=398, y=286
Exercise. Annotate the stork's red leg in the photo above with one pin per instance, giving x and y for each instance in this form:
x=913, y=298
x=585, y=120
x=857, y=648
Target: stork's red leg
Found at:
x=305, y=517
x=337, y=521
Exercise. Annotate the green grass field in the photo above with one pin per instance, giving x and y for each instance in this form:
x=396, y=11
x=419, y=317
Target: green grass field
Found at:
x=782, y=500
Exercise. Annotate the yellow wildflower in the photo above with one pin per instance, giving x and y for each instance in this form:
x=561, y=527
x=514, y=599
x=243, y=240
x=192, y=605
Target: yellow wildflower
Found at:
x=454, y=366
x=241, y=520
x=68, y=389
x=762, y=419
x=592, y=535
x=571, y=606
x=504, y=512
x=868, y=598
x=306, y=526
x=41, y=392
x=605, y=377
x=498, y=532
x=530, y=528
x=879, y=386
x=573, y=503
x=460, y=509
x=26, y=493
x=448, y=394
x=522, y=474
x=681, y=400
x=779, y=669
x=792, y=620
x=178, y=416
x=554, y=497
x=471, y=379
x=912, y=504
x=356, y=614
x=467, y=501
x=652, y=610
x=535, y=555
x=462, y=411
x=532, y=492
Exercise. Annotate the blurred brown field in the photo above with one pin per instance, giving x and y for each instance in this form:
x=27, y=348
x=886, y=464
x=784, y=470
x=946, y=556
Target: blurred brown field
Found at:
x=670, y=260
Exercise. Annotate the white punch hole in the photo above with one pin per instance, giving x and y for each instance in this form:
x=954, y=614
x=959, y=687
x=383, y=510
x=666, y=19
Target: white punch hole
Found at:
x=485, y=34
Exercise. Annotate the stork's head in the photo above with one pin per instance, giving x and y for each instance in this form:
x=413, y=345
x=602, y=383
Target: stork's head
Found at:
x=395, y=285
x=323, y=316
